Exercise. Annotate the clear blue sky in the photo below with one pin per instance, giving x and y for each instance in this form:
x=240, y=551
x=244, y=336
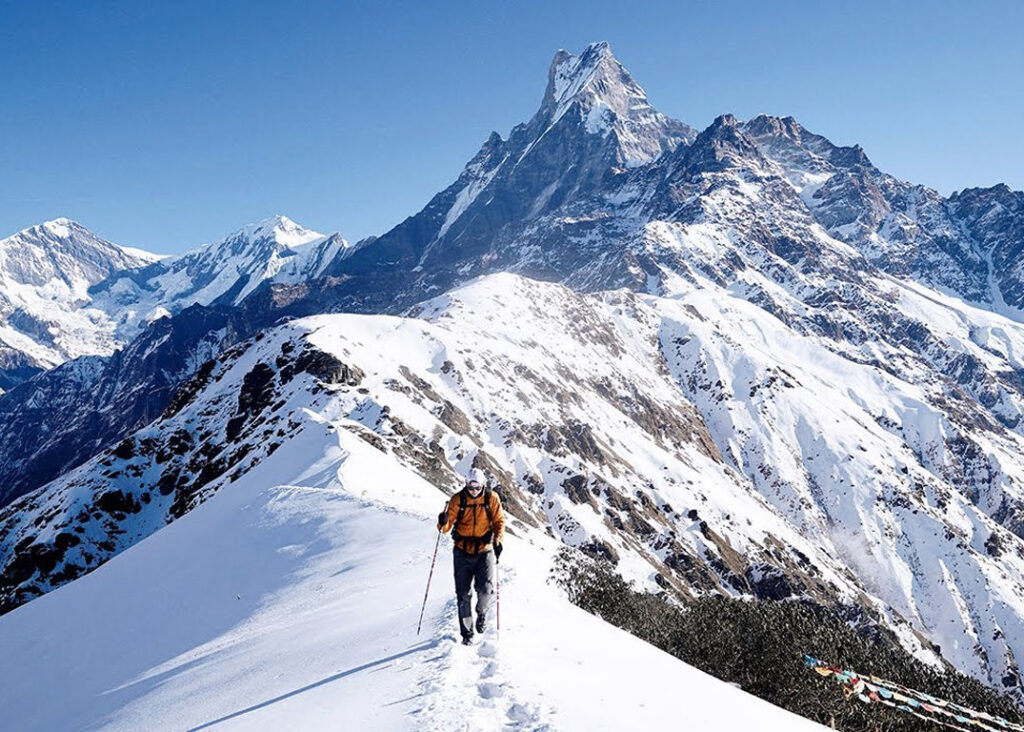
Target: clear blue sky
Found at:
x=168, y=125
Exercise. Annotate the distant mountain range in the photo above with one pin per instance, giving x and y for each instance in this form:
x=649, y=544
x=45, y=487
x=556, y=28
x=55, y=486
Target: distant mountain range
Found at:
x=64, y=292
x=741, y=360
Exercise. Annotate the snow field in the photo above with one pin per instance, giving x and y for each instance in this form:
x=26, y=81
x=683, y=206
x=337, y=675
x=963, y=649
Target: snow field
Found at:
x=832, y=458
x=289, y=601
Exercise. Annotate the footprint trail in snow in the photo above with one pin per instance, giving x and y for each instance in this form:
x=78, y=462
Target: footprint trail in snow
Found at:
x=468, y=687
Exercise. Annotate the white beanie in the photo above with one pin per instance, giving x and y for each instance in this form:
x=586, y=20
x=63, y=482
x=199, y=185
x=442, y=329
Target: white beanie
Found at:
x=476, y=475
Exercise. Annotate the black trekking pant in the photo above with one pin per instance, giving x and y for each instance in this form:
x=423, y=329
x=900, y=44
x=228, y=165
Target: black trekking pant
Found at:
x=473, y=570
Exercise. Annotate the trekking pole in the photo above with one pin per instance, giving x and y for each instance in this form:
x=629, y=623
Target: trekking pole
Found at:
x=497, y=596
x=429, y=577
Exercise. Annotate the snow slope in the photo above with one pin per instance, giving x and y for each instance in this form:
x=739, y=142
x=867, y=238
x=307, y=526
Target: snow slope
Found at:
x=289, y=600
x=698, y=441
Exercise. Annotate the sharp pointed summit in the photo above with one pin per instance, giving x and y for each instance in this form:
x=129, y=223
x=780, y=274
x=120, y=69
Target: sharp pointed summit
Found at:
x=588, y=75
x=608, y=101
x=594, y=127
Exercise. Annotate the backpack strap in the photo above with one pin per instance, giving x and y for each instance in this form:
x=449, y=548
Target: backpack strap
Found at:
x=459, y=515
x=487, y=507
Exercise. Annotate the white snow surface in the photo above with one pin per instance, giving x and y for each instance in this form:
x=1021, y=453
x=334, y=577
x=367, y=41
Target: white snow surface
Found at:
x=290, y=599
x=792, y=454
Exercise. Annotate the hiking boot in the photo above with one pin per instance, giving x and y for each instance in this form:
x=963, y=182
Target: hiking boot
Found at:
x=480, y=624
x=467, y=640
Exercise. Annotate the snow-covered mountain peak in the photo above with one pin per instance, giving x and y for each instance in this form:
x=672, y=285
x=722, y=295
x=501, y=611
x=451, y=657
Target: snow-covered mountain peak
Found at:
x=60, y=227
x=767, y=124
x=572, y=75
x=228, y=270
x=608, y=101
x=259, y=240
x=46, y=272
x=254, y=252
x=281, y=229
x=66, y=292
x=593, y=128
x=722, y=145
x=790, y=143
x=65, y=251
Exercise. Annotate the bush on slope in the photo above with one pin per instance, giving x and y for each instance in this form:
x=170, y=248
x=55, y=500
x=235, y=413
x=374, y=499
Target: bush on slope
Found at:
x=760, y=645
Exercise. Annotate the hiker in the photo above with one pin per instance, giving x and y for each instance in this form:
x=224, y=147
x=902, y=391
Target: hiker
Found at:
x=475, y=518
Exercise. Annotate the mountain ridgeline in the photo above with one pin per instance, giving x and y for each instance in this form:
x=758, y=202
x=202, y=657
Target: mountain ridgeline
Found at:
x=740, y=361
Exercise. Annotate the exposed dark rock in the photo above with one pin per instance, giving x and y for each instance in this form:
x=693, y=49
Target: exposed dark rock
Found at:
x=322, y=366
x=117, y=502
x=600, y=549
x=576, y=489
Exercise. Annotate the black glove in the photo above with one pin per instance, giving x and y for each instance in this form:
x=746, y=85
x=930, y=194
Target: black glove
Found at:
x=442, y=519
x=497, y=552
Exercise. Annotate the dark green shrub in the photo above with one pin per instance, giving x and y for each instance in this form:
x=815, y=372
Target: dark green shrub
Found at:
x=760, y=645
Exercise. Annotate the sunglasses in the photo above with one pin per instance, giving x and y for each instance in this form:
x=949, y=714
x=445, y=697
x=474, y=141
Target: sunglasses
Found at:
x=474, y=486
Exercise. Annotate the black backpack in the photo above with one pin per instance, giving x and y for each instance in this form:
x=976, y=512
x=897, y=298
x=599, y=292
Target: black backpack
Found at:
x=477, y=541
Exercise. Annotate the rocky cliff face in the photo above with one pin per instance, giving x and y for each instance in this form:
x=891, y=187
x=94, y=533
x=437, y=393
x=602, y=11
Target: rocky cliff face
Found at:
x=994, y=219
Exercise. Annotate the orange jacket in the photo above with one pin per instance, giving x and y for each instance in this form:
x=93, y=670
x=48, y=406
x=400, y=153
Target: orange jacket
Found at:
x=474, y=522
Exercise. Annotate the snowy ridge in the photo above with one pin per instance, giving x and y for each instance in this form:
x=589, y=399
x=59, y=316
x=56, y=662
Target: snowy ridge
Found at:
x=276, y=574
x=683, y=437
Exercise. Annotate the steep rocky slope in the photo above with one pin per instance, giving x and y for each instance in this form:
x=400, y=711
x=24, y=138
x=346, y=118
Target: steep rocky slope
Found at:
x=696, y=440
